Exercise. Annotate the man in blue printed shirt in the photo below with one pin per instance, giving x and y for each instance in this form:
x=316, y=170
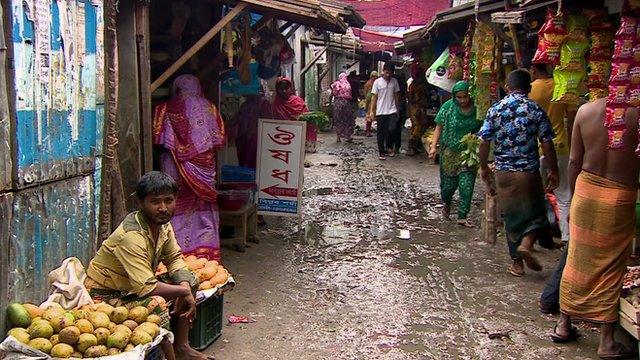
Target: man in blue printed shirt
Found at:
x=515, y=125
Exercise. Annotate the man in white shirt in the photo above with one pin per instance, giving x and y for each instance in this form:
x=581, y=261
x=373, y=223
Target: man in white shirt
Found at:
x=384, y=106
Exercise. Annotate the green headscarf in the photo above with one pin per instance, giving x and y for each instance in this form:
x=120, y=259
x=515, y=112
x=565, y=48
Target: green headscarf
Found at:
x=461, y=85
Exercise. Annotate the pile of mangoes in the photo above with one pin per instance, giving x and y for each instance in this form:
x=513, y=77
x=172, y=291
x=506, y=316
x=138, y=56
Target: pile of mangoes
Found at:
x=88, y=332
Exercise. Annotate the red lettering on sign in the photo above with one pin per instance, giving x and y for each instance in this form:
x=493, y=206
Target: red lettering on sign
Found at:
x=281, y=175
x=280, y=155
x=282, y=137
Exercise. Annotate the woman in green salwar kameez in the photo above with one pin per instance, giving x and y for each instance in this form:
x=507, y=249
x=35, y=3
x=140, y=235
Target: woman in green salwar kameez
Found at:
x=456, y=118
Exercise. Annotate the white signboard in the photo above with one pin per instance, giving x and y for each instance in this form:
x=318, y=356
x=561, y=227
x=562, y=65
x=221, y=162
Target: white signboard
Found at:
x=280, y=166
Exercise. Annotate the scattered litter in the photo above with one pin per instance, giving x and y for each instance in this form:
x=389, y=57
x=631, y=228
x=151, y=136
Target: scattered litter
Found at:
x=404, y=235
x=240, y=320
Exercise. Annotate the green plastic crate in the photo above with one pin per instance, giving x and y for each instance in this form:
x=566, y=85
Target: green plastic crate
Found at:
x=207, y=326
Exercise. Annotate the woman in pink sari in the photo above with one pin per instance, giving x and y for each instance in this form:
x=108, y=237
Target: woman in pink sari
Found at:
x=190, y=129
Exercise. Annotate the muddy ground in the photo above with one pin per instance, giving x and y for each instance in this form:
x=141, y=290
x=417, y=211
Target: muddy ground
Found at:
x=348, y=288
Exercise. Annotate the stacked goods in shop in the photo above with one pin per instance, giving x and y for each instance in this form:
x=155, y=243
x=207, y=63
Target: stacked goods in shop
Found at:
x=88, y=332
x=571, y=70
x=454, y=69
x=209, y=272
x=487, y=49
x=624, y=82
x=601, y=34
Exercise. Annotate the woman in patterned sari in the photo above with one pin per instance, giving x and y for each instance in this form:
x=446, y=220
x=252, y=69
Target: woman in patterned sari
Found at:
x=343, y=114
x=456, y=118
x=190, y=130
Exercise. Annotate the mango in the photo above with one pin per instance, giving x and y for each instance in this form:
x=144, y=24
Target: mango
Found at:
x=18, y=315
x=70, y=335
x=119, y=314
x=62, y=350
x=154, y=319
x=34, y=311
x=21, y=334
x=41, y=344
x=85, y=326
x=99, y=319
x=118, y=340
x=140, y=337
x=132, y=325
x=41, y=329
x=138, y=314
x=86, y=341
x=96, y=351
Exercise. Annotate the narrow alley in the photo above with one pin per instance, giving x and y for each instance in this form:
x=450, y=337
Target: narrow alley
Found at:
x=351, y=289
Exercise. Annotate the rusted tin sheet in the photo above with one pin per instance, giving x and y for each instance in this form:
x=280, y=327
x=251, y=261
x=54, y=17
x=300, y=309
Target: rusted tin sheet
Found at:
x=56, y=82
x=6, y=201
x=48, y=224
x=6, y=163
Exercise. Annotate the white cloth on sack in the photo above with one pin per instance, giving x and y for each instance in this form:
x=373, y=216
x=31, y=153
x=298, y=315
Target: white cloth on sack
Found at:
x=66, y=286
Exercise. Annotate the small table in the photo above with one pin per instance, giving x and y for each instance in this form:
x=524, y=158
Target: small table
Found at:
x=245, y=223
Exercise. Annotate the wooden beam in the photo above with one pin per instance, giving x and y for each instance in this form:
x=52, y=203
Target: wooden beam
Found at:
x=261, y=23
x=313, y=61
x=292, y=30
x=486, y=19
x=285, y=26
x=198, y=45
x=144, y=78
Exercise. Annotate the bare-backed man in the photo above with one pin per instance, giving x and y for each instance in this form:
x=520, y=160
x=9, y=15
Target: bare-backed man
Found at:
x=602, y=220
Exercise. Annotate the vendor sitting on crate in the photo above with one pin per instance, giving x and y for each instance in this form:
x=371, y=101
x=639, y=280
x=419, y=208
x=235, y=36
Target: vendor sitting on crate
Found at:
x=123, y=271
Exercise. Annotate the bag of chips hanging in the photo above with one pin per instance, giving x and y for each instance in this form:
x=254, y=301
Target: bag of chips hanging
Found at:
x=620, y=72
x=566, y=85
x=615, y=115
x=616, y=138
x=628, y=28
x=550, y=38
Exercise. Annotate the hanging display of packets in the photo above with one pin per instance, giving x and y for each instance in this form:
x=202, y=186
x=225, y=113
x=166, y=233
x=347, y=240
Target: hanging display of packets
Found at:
x=550, y=38
x=467, y=44
x=601, y=35
x=484, y=45
x=624, y=81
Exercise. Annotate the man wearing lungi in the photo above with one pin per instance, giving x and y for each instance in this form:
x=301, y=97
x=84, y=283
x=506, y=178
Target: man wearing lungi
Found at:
x=602, y=221
x=515, y=125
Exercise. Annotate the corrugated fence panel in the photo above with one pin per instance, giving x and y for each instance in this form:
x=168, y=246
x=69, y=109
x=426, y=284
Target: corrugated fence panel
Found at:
x=57, y=80
x=6, y=162
x=49, y=223
x=6, y=202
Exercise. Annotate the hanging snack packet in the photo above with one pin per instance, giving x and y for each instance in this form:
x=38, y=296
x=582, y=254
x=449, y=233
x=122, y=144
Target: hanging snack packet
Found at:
x=616, y=138
x=596, y=93
x=623, y=49
x=566, y=85
x=618, y=94
x=634, y=74
x=573, y=51
x=620, y=72
x=634, y=95
x=598, y=73
x=614, y=117
x=550, y=38
x=628, y=28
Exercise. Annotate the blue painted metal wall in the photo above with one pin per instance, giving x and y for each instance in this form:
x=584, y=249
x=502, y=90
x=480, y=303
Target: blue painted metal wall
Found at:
x=51, y=210
x=58, y=71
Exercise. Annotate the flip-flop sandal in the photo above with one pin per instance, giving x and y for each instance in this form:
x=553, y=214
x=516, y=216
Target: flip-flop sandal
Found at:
x=466, y=224
x=623, y=353
x=529, y=259
x=574, y=334
x=513, y=272
x=445, y=215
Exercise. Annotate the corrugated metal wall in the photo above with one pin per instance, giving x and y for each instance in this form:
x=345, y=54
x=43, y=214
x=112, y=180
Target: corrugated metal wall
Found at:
x=50, y=211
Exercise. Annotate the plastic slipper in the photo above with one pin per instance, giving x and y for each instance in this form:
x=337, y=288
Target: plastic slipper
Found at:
x=466, y=223
x=513, y=272
x=529, y=259
x=574, y=334
x=622, y=353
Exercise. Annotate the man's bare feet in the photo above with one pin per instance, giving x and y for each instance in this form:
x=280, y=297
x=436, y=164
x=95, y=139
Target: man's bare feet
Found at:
x=186, y=352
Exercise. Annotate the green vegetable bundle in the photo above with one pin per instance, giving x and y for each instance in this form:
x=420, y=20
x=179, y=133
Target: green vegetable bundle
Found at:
x=470, y=155
x=318, y=118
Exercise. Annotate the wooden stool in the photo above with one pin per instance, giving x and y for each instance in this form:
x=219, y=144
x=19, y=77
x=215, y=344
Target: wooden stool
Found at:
x=245, y=223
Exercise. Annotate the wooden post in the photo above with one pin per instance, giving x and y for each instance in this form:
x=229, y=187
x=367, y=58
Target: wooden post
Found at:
x=144, y=78
x=198, y=45
x=313, y=61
